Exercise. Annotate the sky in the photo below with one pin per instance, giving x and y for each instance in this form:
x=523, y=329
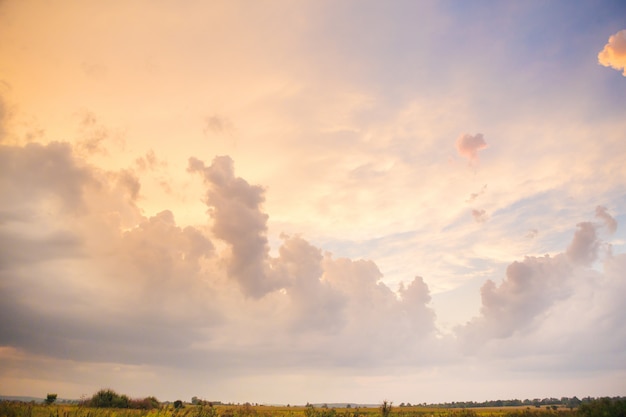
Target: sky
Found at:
x=313, y=201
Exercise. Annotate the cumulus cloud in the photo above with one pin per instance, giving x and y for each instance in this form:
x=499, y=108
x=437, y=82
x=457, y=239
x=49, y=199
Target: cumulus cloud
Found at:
x=235, y=207
x=537, y=290
x=117, y=293
x=468, y=146
x=614, y=53
x=131, y=289
x=315, y=303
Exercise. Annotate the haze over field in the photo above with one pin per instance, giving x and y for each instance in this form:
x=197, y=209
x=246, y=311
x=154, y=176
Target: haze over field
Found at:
x=322, y=201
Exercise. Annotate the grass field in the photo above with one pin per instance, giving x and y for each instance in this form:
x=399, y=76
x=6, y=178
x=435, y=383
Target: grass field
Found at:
x=16, y=409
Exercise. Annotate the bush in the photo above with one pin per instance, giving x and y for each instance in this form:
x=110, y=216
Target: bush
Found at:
x=107, y=398
x=148, y=403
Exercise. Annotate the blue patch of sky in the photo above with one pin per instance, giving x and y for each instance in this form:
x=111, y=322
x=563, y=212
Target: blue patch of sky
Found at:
x=537, y=203
x=554, y=37
x=365, y=249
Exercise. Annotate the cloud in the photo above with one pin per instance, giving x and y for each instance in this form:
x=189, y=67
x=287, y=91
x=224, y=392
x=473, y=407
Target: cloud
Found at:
x=468, y=146
x=609, y=221
x=44, y=171
x=133, y=290
x=536, y=290
x=235, y=207
x=149, y=296
x=217, y=124
x=614, y=53
x=528, y=289
x=94, y=136
x=474, y=196
x=584, y=246
x=3, y=117
x=480, y=216
x=119, y=295
x=316, y=304
x=149, y=162
x=532, y=233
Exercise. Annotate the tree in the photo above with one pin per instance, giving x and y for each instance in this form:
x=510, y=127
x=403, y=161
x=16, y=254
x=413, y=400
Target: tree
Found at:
x=51, y=398
x=178, y=404
x=601, y=407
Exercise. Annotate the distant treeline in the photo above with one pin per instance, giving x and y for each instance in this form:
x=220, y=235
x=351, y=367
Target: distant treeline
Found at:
x=572, y=402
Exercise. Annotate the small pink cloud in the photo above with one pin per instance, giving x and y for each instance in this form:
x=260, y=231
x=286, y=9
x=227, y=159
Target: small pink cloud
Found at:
x=614, y=53
x=468, y=146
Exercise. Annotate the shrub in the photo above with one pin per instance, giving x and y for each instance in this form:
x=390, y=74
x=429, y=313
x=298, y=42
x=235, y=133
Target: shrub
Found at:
x=385, y=408
x=107, y=398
